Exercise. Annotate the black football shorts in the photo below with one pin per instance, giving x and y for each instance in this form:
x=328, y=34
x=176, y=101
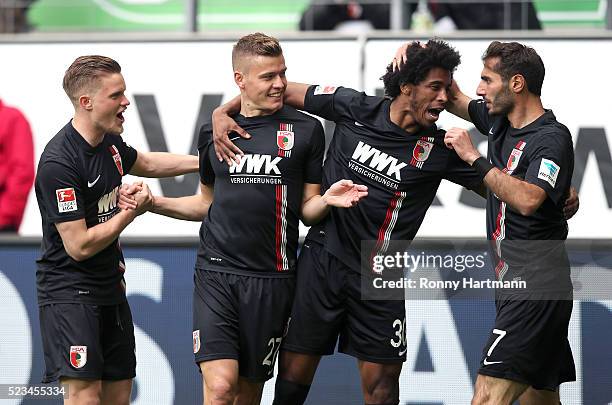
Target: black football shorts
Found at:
x=241, y=317
x=87, y=341
x=328, y=307
x=528, y=343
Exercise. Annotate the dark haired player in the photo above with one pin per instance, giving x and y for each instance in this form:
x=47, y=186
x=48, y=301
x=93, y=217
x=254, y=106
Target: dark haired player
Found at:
x=528, y=174
x=245, y=269
x=86, y=325
x=393, y=146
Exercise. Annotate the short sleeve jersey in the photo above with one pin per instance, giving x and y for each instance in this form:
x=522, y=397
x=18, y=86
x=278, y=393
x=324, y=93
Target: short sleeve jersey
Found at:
x=253, y=222
x=77, y=181
x=542, y=154
x=402, y=171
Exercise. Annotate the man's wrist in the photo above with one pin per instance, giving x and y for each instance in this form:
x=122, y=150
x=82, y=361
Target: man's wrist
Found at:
x=482, y=166
x=325, y=199
x=472, y=158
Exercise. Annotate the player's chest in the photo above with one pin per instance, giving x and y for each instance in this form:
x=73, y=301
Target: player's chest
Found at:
x=102, y=177
x=510, y=153
x=276, y=152
x=395, y=165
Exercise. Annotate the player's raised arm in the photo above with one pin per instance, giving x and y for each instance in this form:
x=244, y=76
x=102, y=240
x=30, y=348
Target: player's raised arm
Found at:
x=341, y=194
x=163, y=164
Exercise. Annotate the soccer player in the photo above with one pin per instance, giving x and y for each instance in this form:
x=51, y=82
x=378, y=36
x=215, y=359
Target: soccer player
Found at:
x=528, y=173
x=86, y=325
x=394, y=147
x=245, y=268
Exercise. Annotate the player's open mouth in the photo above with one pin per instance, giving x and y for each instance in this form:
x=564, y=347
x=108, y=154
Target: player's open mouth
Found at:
x=435, y=112
x=120, y=116
x=276, y=95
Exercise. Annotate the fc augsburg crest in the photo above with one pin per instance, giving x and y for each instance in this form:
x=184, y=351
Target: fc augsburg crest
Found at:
x=78, y=356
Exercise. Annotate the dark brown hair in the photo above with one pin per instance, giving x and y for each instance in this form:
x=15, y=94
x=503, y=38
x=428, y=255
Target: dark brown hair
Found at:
x=515, y=58
x=256, y=44
x=85, y=71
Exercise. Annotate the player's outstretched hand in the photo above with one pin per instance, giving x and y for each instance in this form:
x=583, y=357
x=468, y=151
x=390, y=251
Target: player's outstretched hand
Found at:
x=345, y=194
x=144, y=200
x=459, y=140
x=571, y=204
x=126, y=200
x=223, y=126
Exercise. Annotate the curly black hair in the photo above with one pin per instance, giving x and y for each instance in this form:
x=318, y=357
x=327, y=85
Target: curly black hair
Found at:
x=420, y=60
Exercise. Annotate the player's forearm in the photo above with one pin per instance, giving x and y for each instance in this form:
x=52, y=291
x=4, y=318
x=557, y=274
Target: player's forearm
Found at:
x=83, y=245
x=295, y=94
x=191, y=208
x=458, y=102
x=517, y=193
x=163, y=164
x=314, y=210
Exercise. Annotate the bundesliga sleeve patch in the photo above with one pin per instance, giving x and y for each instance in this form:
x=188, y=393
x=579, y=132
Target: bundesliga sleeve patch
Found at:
x=66, y=200
x=549, y=171
x=320, y=90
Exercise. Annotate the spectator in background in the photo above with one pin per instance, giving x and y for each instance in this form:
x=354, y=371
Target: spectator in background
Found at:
x=14, y=17
x=327, y=17
x=486, y=16
x=447, y=16
x=16, y=167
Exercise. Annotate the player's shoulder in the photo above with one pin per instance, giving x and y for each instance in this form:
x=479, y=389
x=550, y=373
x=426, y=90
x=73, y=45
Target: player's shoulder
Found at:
x=59, y=148
x=552, y=131
x=288, y=112
x=205, y=134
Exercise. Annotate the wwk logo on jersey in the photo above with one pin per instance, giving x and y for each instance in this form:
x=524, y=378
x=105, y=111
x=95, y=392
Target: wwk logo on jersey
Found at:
x=117, y=158
x=285, y=140
x=107, y=205
x=421, y=151
x=78, y=356
x=66, y=199
x=256, y=164
x=549, y=171
x=387, y=167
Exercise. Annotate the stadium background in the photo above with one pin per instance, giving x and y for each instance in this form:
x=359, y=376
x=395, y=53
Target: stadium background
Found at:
x=174, y=81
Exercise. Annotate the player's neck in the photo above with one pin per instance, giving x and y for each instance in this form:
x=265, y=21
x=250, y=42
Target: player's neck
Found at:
x=250, y=109
x=526, y=111
x=87, y=130
x=401, y=115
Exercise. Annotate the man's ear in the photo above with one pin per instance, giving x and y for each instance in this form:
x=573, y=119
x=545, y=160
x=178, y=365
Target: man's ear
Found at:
x=239, y=79
x=406, y=89
x=517, y=83
x=85, y=102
